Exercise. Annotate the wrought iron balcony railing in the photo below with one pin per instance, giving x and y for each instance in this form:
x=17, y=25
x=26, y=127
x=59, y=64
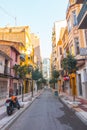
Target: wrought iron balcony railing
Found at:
x=79, y=1
x=7, y=70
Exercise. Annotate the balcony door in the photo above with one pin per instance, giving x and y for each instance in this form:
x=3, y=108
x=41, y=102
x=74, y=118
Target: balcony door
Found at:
x=3, y=89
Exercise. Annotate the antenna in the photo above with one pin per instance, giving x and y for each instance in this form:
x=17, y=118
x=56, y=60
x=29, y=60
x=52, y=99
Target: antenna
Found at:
x=7, y=13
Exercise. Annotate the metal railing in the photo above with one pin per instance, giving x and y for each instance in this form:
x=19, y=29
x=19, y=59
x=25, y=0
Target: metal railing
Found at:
x=79, y=1
x=7, y=70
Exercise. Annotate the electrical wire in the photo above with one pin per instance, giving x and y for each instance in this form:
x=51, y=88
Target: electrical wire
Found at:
x=7, y=13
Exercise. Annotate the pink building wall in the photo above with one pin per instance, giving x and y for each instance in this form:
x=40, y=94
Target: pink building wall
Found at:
x=13, y=54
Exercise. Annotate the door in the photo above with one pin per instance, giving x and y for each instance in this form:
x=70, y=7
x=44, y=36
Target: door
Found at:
x=80, y=85
x=3, y=89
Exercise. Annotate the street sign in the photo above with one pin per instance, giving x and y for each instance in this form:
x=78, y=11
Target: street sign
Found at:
x=83, y=51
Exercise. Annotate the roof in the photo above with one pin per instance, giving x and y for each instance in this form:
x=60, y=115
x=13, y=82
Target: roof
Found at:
x=11, y=47
x=12, y=42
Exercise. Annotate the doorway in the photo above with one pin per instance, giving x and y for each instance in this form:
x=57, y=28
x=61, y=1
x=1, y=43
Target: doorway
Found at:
x=80, y=85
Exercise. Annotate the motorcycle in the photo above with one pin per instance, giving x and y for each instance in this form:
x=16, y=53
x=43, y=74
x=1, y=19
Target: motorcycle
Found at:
x=11, y=105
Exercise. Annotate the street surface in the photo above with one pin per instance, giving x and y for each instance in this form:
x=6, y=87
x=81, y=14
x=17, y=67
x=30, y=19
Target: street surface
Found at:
x=48, y=113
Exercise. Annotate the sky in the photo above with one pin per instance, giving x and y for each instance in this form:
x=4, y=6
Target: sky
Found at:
x=39, y=15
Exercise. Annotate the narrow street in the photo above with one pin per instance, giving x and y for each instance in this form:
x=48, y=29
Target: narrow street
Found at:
x=48, y=113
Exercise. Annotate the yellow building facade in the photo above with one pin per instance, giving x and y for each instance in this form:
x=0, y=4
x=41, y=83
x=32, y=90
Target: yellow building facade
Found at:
x=21, y=34
x=75, y=42
x=71, y=40
x=60, y=58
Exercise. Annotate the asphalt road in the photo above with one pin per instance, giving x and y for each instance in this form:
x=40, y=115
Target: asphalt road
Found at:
x=48, y=113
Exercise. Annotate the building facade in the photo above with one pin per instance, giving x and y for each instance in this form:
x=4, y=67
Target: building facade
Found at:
x=37, y=53
x=4, y=74
x=55, y=38
x=71, y=39
x=14, y=54
x=21, y=34
x=82, y=25
x=46, y=68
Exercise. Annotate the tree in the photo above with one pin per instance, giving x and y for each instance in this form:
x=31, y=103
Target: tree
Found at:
x=52, y=82
x=37, y=76
x=69, y=65
x=21, y=72
x=44, y=81
x=55, y=75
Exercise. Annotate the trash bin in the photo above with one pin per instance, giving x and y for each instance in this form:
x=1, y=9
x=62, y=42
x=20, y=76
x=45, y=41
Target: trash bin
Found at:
x=56, y=93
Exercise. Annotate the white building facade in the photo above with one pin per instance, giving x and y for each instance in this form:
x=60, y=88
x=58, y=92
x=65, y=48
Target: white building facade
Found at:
x=46, y=68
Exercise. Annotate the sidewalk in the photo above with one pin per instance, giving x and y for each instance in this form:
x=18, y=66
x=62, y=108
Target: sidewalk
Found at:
x=79, y=105
x=6, y=120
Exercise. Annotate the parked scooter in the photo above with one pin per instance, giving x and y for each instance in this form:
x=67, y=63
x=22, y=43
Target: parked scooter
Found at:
x=11, y=104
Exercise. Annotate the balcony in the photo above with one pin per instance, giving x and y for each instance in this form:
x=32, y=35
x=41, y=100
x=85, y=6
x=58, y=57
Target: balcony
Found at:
x=82, y=17
x=79, y=1
x=5, y=71
x=80, y=62
x=70, y=4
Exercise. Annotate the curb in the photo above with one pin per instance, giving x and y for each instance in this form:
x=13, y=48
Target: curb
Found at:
x=68, y=106
x=78, y=114
x=12, y=120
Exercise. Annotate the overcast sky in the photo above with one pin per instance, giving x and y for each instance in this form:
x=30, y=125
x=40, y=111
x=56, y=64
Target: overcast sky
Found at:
x=40, y=15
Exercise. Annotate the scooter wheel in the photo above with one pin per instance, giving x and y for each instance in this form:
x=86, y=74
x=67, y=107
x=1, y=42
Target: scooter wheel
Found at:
x=9, y=111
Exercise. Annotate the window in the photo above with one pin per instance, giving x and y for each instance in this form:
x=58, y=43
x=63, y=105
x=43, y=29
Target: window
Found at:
x=64, y=53
x=86, y=36
x=16, y=57
x=77, y=46
x=72, y=49
x=72, y=2
x=61, y=63
x=74, y=17
x=60, y=51
x=85, y=75
x=69, y=25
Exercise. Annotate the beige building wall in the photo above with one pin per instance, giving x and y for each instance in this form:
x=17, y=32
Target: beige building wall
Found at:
x=55, y=39
x=37, y=53
x=17, y=34
x=76, y=41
